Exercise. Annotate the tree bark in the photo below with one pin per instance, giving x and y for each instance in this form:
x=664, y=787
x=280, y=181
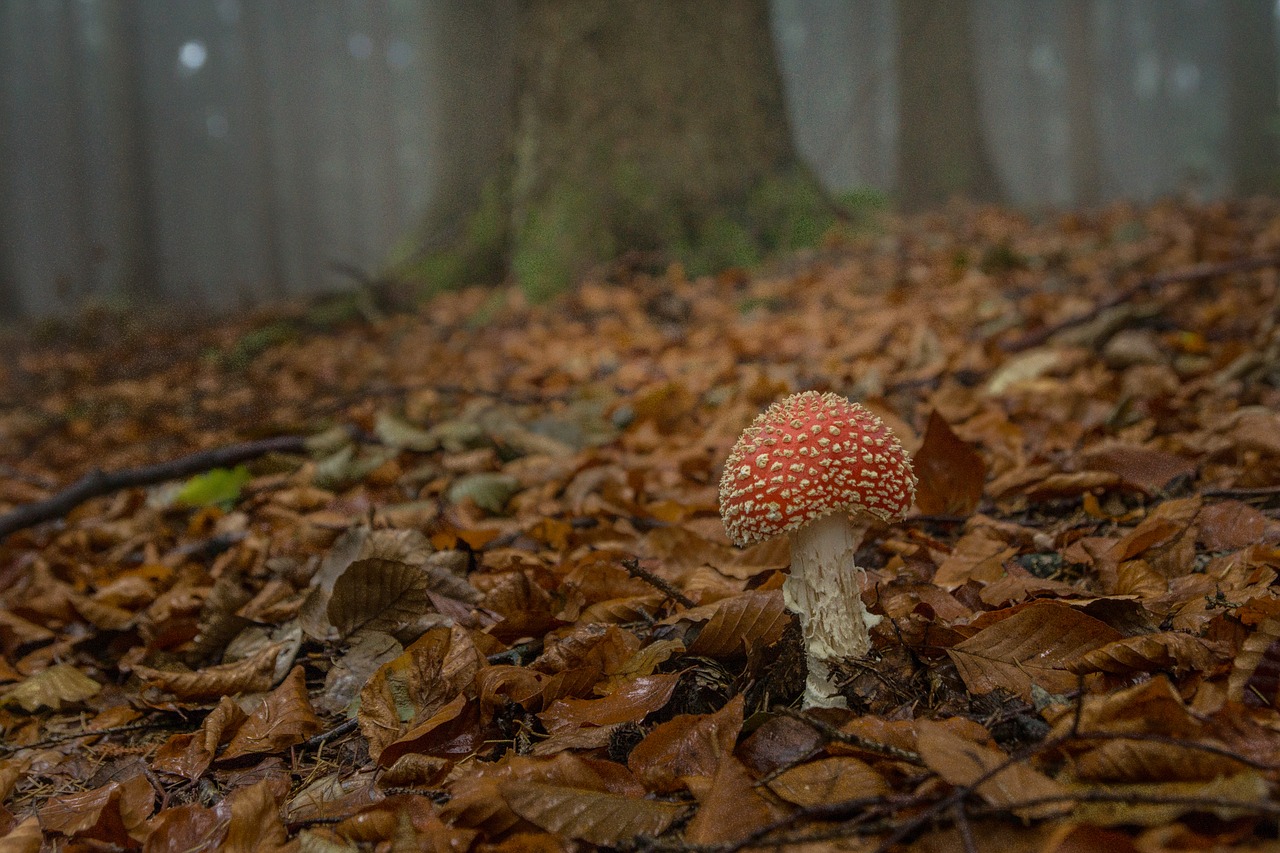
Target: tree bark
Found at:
x=1085, y=154
x=637, y=121
x=941, y=152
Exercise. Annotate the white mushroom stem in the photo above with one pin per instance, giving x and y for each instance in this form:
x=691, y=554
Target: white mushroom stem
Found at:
x=825, y=590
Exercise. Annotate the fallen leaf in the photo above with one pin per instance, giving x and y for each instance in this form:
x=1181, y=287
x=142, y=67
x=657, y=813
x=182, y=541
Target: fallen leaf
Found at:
x=1035, y=645
x=1152, y=652
x=593, y=816
x=250, y=675
x=283, y=719
x=60, y=684
x=190, y=754
x=115, y=813
x=687, y=745
x=748, y=620
x=999, y=780
x=829, y=780
x=378, y=595
x=951, y=472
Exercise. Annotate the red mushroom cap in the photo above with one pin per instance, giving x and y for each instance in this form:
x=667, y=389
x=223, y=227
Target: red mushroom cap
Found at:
x=809, y=455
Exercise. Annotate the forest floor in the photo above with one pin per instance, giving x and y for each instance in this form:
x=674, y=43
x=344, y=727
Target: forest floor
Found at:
x=457, y=579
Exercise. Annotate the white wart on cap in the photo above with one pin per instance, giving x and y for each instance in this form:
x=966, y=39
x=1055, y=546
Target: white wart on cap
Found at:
x=809, y=455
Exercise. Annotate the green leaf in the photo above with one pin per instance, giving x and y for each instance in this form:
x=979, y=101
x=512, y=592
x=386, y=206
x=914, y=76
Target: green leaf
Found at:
x=221, y=485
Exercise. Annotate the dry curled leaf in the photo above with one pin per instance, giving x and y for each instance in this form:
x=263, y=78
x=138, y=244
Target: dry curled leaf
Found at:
x=1151, y=653
x=1255, y=676
x=284, y=718
x=250, y=675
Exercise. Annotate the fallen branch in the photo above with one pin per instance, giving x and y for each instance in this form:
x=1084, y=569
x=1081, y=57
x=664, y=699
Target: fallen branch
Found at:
x=634, y=569
x=98, y=483
x=1199, y=272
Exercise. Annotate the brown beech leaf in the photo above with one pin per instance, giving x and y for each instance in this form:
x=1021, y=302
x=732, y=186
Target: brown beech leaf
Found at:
x=688, y=745
x=1142, y=467
x=417, y=684
x=59, y=685
x=979, y=555
x=116, y=813
x=950, y=470
x=628, y=704
x=1255, y=676
x=1034, y=645
x=283, y=719
x=1230, y=525
x=829, y=780
x=1151, y=761
x=592, y=816
x=190, y=754
x=377, y=594
x=255, y=825
x=188, y=827
x=731, y=806
x=26, y=837
x=749, y=620
x=963, y=762
x=1141, y=804
x=1166, y=522
x=250, y=675
x=1150, y=653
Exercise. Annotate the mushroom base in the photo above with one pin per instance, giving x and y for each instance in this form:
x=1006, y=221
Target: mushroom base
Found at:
x=825, y=590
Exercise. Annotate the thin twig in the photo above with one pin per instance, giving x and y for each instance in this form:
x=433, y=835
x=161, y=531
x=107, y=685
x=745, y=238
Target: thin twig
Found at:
x=337, y=731
x=63, y=738
x=1199, y=272
x=98, y=483
x=633, y=567
x=832, y=733
x=1259, y=492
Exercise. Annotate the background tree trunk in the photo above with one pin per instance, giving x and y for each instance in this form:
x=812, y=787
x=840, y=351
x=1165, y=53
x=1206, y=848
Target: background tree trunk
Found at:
x=940, y=147
x=637, y=122
x=1085, y=146
x=1253, y=114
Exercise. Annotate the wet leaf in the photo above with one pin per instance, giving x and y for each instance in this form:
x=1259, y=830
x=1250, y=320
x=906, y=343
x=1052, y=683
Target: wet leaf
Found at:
x=592, y=816
x=688, y=745
x=283, y=719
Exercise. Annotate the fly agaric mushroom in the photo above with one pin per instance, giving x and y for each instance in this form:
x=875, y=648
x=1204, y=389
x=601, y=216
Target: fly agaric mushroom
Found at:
x=819, y=467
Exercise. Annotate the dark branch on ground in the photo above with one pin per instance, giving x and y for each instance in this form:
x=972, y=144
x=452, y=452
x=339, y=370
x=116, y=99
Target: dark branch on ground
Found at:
x=98, y=483
x=1199, y=272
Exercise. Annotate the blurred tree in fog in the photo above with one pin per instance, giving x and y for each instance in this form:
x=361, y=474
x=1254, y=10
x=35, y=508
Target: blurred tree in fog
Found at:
x=941, y=151
x=1253, y=126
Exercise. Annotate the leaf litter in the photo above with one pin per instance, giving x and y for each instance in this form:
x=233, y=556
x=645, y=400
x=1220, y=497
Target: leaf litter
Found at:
x=485, y=601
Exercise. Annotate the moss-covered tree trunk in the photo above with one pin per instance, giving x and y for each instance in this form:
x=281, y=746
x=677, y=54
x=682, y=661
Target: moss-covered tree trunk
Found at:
x=640, y=124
